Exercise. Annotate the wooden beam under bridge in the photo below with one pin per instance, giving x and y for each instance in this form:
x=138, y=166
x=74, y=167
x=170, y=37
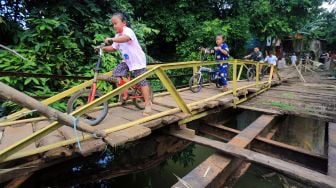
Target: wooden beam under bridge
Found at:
x=298, y=172
x=273, y=148
x=210, y=172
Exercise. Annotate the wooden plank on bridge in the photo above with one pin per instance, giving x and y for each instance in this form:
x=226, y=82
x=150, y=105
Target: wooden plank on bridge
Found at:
x=250, y=132
x=332, y=150
x=125, y=135
x=168, y=101
x=296, y=100
x=252, y=108
x=15, y=133
x=211, y=167
x=53, y=137
x=306, y=175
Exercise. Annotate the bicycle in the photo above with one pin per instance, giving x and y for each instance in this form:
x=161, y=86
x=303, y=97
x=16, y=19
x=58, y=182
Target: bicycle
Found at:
x=251, y=72
x=196, y=80
x=85, y=96
x=133, y=93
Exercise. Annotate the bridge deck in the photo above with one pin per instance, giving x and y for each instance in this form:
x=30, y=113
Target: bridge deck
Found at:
x=116, y=116
x=285, y=99
x=314, y=99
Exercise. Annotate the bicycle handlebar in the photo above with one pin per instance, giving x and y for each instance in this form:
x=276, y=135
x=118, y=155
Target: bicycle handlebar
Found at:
x=100, y=46
x=206, y=50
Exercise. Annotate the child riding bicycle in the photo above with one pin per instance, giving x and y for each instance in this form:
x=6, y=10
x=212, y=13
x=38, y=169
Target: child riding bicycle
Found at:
x=134, y=58
x=256, y=55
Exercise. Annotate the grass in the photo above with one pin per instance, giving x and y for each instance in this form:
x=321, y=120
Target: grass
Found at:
x=281, y=105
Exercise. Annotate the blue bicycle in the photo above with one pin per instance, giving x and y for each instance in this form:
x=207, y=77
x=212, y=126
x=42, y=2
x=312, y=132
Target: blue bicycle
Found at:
x=197, y=80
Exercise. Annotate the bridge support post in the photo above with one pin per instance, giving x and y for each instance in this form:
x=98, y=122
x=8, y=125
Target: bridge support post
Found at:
x=270, y=76
x=167, y=83
x=278, y=75
x=257, y=73
x=195, y=69
x=234, y=77
x=240, y=71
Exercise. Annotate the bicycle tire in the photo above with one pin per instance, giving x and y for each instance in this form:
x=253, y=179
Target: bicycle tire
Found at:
x=195, y=83
x=81, y=97
x=250, y=74
x=265, y=72
x=140, y=103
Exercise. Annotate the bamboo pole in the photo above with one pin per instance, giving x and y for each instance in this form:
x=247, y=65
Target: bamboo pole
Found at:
x=51, y=100
x=9, y=123
x=270, y=76
x=172, y=90
x=257, y=72
x=240, y=71
x=12, y=94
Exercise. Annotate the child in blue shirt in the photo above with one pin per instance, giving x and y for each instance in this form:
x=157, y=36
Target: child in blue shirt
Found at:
x=222, y=54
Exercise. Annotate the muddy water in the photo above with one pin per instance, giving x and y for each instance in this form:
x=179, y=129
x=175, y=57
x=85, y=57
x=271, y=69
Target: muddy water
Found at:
x=124, y=167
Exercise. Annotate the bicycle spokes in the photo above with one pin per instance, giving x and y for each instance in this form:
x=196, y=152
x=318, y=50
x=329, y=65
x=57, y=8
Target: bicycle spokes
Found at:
x=79, y=99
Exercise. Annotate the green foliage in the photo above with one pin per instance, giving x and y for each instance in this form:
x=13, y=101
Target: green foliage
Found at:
x=202, y=36
x=58, y=38
x=323, y=27
x=184, y=26
x=175, y=19
x=144, y=33
x=185, y=157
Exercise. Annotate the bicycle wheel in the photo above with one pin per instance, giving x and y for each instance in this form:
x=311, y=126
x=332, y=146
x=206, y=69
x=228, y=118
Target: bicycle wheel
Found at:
x=265, y=71
x=250, y=74
x=139, y=101
x=195, y=83
x=79, y=99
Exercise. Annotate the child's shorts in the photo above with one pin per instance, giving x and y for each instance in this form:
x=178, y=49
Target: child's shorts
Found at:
x=122, y=70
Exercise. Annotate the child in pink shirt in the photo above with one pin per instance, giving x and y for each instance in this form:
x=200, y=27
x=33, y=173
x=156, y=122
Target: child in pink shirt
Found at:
x=134, y=58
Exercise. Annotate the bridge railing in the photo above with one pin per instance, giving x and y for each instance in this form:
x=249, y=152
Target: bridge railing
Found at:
x=166, y=66
x=9, y=153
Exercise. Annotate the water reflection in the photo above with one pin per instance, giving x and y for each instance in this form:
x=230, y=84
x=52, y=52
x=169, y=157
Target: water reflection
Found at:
x=101, y=169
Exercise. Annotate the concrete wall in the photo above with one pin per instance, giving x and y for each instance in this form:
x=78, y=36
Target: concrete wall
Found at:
x=302, y=132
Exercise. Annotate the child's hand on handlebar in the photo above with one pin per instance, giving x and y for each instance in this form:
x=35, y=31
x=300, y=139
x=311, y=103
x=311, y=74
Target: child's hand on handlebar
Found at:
x=108, y=41
x=96, y=48
x=206, y=50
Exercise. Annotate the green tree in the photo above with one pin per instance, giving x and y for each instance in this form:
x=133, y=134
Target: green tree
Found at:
x=58, y=38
